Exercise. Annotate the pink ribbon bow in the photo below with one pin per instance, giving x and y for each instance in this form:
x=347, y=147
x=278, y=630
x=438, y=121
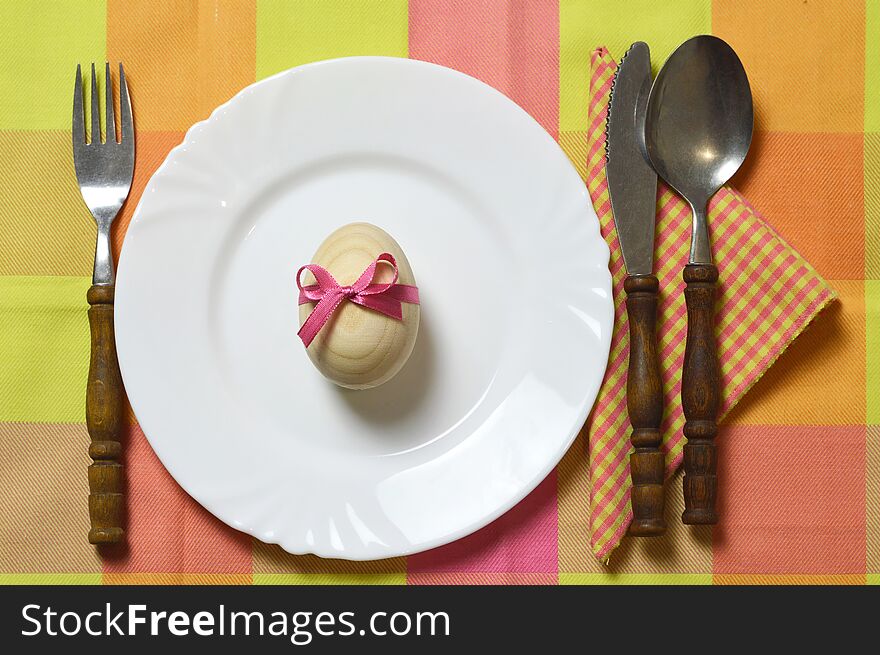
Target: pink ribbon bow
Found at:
x=329, y=294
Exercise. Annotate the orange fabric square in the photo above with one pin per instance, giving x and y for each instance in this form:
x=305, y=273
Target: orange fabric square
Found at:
x=151, y=148
x=820, y=379
x=177, y=579
x=809, y=186
x=169, y=532
x=481, y=39
x=792, y=500
x=799, y=580
x=182, y=58
x=805, y=61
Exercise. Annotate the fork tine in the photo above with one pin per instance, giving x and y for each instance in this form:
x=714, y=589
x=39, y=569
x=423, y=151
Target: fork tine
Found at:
x=79, y=124
x=96, y=116
x=126, y=129
x=110, y=123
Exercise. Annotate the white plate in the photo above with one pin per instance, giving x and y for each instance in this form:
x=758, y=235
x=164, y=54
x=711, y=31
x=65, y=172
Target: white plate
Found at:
x=516, y=310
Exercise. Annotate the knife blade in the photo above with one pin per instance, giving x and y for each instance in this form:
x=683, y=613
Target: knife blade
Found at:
x=632, y=181
x=632, y=184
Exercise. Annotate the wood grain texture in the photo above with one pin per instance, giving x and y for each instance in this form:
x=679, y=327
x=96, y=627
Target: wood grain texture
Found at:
x=104, y=420
x=644, y=402
x=359, y=348
x=700, y=396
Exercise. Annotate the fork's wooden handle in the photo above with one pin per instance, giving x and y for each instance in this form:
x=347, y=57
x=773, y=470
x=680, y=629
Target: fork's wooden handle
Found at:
x=700, y=395
x=104, y=418
x=644, y=401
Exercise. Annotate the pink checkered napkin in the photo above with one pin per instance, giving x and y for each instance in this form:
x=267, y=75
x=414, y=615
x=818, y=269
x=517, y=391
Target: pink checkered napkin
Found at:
x=767, y=295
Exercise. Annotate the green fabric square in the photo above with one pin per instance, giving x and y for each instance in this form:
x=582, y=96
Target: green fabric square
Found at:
x=635, y=578
x=44, y=349
x=872, y=66
x=294, y=33
x=584, y=26
x=41, y=44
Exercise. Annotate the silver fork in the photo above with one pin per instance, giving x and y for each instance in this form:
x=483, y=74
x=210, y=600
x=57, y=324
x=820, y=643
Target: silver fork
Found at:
x=104, y=171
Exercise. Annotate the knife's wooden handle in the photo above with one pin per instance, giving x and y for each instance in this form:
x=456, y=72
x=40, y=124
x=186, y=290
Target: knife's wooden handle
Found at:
x=700, y=395
x=644, y=401
x=104, y=419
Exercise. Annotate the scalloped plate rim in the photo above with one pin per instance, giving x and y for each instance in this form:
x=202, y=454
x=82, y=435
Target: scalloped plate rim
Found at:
x=585, y=407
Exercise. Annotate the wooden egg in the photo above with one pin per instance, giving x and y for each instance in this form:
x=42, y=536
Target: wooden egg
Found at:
x=360, y=348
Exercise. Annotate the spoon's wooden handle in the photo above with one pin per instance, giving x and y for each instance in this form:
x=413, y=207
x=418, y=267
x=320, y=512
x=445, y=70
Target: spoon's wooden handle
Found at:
x=644, y=401
x=700, y=395
x=104, y=419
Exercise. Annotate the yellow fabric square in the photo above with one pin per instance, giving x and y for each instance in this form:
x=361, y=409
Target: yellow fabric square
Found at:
x=40, y=45
x=872, y=203
x=44, y=349
x=294, y=33
x=46, y=227
x=586, y=24
x=576, y=148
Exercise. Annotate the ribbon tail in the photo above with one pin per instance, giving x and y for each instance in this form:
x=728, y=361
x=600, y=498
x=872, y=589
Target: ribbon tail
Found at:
x=404, y=293
x=319, y=317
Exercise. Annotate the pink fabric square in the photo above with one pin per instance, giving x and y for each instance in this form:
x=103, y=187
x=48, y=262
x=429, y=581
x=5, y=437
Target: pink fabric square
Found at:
x=482, y=38
x=791, y=500
x=169, y=532
x=524, y=540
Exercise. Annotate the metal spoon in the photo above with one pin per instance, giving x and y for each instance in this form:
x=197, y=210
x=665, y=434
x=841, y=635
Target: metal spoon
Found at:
x=698, y=129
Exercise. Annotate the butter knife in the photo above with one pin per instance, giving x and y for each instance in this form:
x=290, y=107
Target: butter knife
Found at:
x=632, y=184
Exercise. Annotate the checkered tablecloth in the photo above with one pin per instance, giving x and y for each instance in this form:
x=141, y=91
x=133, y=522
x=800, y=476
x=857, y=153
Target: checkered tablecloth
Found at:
x=800, y=455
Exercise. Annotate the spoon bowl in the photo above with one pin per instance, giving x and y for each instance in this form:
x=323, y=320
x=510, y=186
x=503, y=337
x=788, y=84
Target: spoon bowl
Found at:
x=698, y=125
